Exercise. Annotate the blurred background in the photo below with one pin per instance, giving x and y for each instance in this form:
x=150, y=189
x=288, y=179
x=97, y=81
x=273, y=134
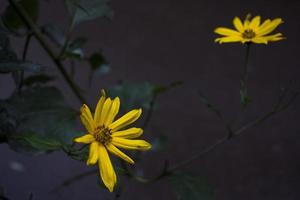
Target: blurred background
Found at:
x=162, y=41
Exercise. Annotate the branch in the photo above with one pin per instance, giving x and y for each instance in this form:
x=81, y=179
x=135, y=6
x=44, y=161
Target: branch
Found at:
x=37, y=33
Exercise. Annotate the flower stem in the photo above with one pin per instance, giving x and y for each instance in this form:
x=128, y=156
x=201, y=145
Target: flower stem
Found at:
x=245, y=98
x=39, y=36
x=24, y=55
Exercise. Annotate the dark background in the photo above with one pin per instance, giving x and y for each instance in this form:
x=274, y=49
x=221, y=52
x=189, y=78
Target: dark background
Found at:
x=161, y=41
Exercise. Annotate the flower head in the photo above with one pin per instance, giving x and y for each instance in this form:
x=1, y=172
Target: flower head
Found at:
x=250, y=31
x=104, y=134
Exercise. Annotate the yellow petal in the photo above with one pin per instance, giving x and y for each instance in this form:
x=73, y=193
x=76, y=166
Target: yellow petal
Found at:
x=107, y=171
x=105, y=111
x=269, y=27
x=247, y=21
x=265, y=23
x=86, y=139
x=125, y=120
x=93, y=154
x=128, y=133
x=226, y=31
x=114, y=109
x=238, y=24
x=275, y=37
x=259, y=40
x=119, y=153
x=141, y=145
x=86, y=118
x=254, y=24
x=99, y=108
x=229, y=39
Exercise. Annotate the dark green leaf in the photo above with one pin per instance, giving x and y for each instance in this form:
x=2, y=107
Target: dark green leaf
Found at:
x=99, y=64
x=191, y=187
x=74, y=49
x=159, y=143
x=43, y=115
x=13, y=66
x=12, y=20
x=54, y=34
x=133, y=95
x=38, y=79
x=28, y=141
x=82, y=10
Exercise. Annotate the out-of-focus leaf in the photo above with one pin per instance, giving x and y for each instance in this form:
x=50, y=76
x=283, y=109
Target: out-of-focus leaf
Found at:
x=159, y=143
x=82, y=10
x=38, y=79
x=133, y=95
x=43, y=115
x=34, y=141
x=12, y=20
x=74, y=49
x=159, y=89
x=13, y=66
x=190, y=187
x=54, y=34
x=8, y=118
x=99, y=64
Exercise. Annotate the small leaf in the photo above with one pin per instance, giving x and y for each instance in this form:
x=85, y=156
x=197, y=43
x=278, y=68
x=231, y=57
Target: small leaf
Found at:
x=190, y=187
x=99, y=64
x=38, y=79
x=13, y=66
x=82, y=10
x=12, y=20
x=133, y=95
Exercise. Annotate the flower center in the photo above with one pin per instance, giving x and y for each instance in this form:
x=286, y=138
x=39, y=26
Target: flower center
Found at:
x=248, y=34
x=102, y=134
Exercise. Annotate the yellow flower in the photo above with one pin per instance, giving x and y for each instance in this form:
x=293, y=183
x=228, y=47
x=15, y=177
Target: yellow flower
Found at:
x=105, y=134
x=250, y=31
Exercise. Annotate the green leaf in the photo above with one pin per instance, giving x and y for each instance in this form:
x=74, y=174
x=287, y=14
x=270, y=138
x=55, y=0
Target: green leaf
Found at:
x=133, y=95
x=55, y=34
x=98, y=63
x=38, y=79
x=36, y=142
x=13, y=66
x=12, y=20
x=159, y=143
x=74, y=49
x=82, y=10
x=43, y=117
x=191, y=187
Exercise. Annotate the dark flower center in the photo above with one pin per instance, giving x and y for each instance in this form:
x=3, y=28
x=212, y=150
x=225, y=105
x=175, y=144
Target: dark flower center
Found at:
x=102, y=134
x=248, y=34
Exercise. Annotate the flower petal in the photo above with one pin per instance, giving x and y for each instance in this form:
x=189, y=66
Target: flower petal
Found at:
x=238, y=24
x=229, y=39
x=105, y=111
x=114, y=109
x=99, y=108
x=128, y=133
x=226, y=31
x=266, y=29
x=275, y=37
x=119, y=153
x=86, y=139
x=125, y=120
x=141, y=145
x=93, y=154
x=254, y=24
x=259, y=40
x=87, y=119
x=106, y=168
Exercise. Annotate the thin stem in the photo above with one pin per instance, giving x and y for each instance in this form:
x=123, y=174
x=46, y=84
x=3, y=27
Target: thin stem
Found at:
x=24, y=55
x=150, y=112
x=37, y=33
x=245, y=98
x=245, y=74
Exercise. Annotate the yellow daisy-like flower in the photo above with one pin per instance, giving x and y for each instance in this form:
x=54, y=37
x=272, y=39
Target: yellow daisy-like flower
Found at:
x=250, y=31
x=105, y=134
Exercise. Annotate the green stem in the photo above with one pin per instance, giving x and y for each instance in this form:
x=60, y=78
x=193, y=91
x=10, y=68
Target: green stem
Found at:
x=39, y=36
x=245, y=98
x=24, y=55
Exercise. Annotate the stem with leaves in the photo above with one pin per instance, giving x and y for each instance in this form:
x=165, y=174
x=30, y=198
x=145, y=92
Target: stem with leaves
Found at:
x=39, y=36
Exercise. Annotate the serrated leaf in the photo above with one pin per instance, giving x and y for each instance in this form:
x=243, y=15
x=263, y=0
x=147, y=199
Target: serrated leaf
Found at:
x=11, y=18
x=82, y=10
x=13, y=66
x=42, y=114
x=191, y=187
